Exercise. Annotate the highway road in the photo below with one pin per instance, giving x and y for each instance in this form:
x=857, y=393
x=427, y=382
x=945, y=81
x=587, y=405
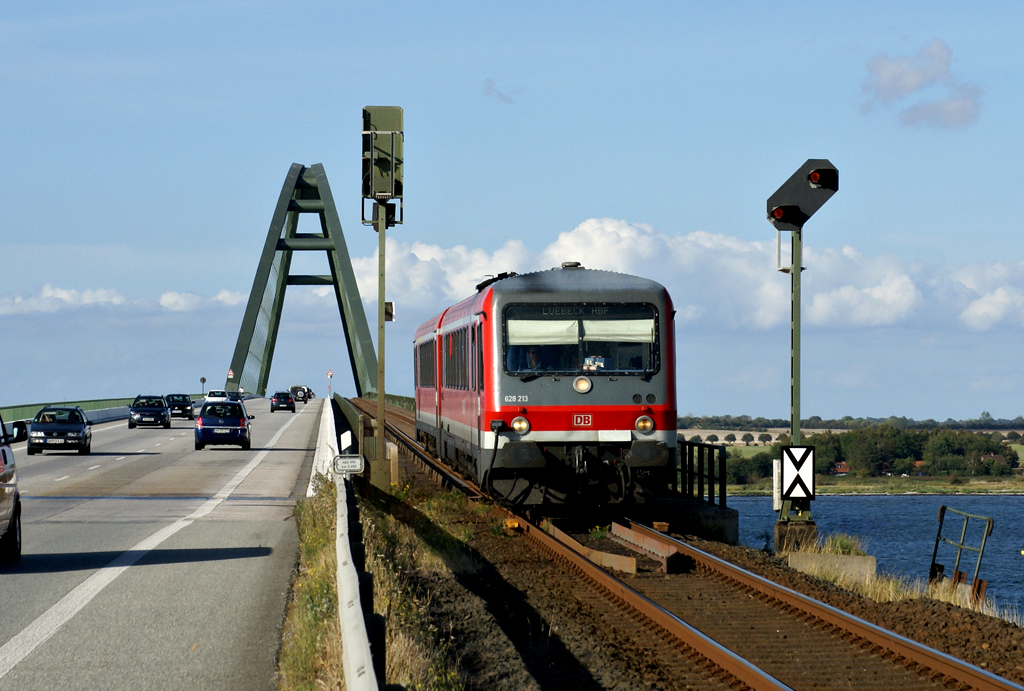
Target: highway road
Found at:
x=150, y=565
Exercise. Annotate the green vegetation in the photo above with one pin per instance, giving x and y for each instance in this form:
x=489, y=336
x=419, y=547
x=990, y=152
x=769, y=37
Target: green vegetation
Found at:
x=838, y=544
x=409, y=544
x=760, y=424
x=311, y=639
x=886, y=451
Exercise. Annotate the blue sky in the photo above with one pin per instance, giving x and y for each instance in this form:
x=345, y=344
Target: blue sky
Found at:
x=145, y=147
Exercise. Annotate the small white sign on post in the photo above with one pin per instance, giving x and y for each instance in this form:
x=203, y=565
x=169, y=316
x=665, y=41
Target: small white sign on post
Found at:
x=348, y=464
x=231, y=374
x=798, y=472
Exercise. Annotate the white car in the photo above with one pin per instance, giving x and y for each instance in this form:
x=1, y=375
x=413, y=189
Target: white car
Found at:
x=10, y=502
x=215, y=396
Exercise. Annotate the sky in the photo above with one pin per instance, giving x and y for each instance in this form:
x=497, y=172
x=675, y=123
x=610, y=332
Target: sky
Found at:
x=145, y=145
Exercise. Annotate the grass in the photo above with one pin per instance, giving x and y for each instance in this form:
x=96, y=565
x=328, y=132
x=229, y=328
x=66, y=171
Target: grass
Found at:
x=402, y=555
x=311, y=640
x=831, y=485
x=888, y=588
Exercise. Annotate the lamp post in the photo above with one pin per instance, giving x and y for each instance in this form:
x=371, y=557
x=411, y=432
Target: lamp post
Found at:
x=789, y=208
x=383, y=163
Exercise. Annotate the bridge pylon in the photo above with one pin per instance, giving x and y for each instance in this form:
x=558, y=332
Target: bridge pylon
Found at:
x=305, y=191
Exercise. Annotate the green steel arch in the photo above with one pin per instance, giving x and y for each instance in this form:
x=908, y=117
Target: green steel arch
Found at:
x=305, y=191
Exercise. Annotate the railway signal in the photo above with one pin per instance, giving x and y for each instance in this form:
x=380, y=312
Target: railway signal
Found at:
x=383, y=164
x=789, y=208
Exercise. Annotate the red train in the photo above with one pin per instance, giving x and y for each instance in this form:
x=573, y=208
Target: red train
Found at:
x=553, y=386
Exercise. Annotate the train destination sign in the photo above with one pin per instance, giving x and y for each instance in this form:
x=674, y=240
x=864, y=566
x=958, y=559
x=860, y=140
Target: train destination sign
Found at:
x=798, y=472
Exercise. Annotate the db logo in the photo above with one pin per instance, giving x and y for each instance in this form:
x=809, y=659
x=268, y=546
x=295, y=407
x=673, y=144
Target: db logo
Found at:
x=582, y=421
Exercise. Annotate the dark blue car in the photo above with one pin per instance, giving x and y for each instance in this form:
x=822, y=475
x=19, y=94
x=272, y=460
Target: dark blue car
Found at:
x=223, y=422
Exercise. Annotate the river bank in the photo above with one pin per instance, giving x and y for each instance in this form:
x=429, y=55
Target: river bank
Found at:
x=831, y=485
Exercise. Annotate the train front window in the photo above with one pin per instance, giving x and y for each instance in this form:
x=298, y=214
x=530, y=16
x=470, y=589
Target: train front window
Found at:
x=581, y=338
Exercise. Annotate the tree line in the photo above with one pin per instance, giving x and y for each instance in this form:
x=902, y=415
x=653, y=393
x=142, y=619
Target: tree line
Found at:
x=883, y=450
x=761, y=424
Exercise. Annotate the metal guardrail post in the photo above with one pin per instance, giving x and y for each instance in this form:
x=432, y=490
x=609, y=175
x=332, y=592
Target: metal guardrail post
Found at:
x=722, y=457
x=935, y=571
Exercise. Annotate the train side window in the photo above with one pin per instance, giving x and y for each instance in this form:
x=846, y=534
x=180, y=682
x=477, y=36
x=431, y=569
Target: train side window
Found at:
x=480, y=357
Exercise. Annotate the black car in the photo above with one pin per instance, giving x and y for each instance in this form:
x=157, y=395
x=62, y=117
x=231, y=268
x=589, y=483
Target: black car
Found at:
x=180, y=404
x=224, y=423
x=149, y=410
x=59, y=428
x=236, y=396
x=282, y=400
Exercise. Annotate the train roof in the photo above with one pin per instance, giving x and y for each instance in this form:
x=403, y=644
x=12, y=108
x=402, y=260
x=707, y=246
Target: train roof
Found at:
x=573, y=277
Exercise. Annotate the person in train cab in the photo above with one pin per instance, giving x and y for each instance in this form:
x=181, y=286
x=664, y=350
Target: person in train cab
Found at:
x=534, y=359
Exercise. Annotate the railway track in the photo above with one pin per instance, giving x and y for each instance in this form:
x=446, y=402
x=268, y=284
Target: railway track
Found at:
x=737, y=630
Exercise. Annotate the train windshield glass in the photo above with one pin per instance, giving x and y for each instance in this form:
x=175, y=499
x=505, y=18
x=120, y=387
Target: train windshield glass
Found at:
x=581, y=337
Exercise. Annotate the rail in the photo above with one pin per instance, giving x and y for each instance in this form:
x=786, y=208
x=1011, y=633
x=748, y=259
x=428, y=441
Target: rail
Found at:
x=938, y=662
x=912, y=654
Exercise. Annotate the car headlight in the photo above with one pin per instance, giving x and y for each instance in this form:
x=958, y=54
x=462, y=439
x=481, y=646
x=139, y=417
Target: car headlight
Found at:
x=74, y=435
x=37, y=434
x=582, y=384
x=644, y=424
x=136, y=416
x=521, y=425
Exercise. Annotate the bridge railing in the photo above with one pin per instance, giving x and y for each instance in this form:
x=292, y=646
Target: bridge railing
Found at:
x=701, y=471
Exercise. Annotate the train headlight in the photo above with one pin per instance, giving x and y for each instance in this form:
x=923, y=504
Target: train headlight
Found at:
x=521, y=425
x=644, y=424
x=582, y=384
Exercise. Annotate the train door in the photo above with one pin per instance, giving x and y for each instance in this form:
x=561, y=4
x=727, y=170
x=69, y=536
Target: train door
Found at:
x=478, y=380
x=438, y=389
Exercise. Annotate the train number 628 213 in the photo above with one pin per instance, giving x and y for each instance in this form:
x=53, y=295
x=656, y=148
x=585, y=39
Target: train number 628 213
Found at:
x=517, y=399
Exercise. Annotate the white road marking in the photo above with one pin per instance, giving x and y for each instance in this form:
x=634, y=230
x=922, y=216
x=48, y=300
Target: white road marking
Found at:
x=50, y=621
x=120, y=458
x=94, y=467
x=62, y=478
x=141, y=451
x=157, y=444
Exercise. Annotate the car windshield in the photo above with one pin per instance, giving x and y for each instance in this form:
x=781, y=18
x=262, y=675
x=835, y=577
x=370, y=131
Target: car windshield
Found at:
x=217, y=394
x=590, y=338
x=58, y=416
x=177, y=398
x=149, y=403
x=222, y=410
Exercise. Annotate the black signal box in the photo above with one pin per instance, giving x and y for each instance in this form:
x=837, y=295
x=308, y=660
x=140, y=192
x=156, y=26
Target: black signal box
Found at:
x=802, y=194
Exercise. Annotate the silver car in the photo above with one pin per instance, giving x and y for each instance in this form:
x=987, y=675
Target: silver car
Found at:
x=10, y=501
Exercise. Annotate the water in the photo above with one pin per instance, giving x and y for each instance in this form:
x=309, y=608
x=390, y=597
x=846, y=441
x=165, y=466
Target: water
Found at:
x=899, y=531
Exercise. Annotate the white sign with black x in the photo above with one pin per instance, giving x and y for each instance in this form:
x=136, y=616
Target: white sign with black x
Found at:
x=798, y=472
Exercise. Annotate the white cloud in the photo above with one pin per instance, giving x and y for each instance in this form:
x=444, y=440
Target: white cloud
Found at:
x=713, y=279
x=846, y=288
x=180, y=302
x=190, y=302
x=960, y=109
x=990, y=309
x=51, y=299
x=892, y=79
x=230, y=297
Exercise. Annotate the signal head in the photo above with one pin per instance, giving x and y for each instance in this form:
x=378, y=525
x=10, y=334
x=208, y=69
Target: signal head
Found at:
x=785, y=216
x=824, y=178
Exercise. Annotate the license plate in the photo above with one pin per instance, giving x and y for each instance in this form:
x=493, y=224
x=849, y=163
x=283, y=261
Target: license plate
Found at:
x=54, y=441
x=221, y=431
x=147, y=419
